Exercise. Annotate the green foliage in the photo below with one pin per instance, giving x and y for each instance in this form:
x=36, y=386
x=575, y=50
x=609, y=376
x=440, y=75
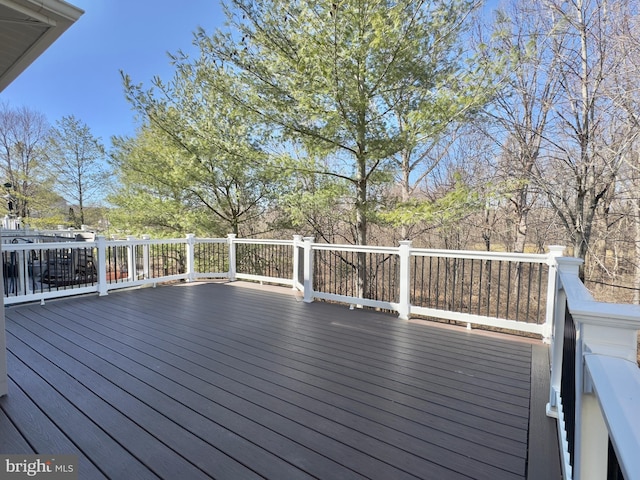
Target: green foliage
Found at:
x=197, y=154
x=151, y=194
x=47, y=209
x=321, y=92
x=452, y=206
x=320, y=206
x=327, y=77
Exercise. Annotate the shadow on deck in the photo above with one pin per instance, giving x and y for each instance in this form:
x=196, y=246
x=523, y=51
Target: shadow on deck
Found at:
x=215, y=380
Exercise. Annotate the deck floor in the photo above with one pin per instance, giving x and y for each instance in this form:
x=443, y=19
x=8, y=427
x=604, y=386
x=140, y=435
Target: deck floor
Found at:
x=215, y=380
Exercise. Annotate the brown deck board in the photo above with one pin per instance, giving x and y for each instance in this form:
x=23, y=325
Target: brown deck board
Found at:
x=95, y=444
x=543, y=440
x=443, y=439
x=153, y=425
x=217, y=381
x=465, y=380
x=43, y=435
x=262, y=408
x=11, y=440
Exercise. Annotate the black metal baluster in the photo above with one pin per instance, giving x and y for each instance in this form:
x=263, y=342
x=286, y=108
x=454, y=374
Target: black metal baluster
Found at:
x=469, y=309
x=437, y=282
x=508, y=291
x=539, y=291
x=614, y=471
x=568, y=383
x=462, y=282
x=480, y=286
x=489, y=268
x=498, y=293
x=454, y=275
x=518, y=288
x=336, y=272
x=447, y=268
x=429, y=297
x=372, y=288
x=414, y=279
x=529, y=284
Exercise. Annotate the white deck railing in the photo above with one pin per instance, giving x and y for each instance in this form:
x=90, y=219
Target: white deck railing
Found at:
x=435, y=283
x=595, y=381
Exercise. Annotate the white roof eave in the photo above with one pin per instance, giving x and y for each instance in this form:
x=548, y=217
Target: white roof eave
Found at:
x=51, y=18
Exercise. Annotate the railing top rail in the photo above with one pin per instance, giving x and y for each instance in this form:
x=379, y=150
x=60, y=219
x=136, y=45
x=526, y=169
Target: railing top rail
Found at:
x=138, y=241
x=24, y=247
x=259, y=241
x=210, y=240
x=617, y=386
x=354, y=248
x=428, y=252
x=585, y=309
x=482, y=255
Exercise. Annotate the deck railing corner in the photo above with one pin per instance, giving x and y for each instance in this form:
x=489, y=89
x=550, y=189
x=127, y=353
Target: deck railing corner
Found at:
x=553, y=257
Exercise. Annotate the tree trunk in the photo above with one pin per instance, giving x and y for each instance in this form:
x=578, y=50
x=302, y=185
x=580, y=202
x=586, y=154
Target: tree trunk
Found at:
x=81, y=201
x=361, y=226
x=521, y=229
x=580, y=248
x=405, y=186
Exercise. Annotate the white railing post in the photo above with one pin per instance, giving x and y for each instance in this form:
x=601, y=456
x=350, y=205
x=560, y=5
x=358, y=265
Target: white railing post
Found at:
x=191, y=271
x=24, y=271
x=101, y=245
x=232, y=257
x=555, y=252
x=404, y=307
x=297, y=241
x=145, y=257
x=558, y=303
x=555, y=351
x=602, y=331
x=131, y=259
x=308, y=269
x=568, y=265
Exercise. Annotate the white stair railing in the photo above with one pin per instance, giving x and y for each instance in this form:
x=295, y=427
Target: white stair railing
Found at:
x=595, y=381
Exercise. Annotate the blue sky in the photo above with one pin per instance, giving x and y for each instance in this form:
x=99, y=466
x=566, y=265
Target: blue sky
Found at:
x=80, y=73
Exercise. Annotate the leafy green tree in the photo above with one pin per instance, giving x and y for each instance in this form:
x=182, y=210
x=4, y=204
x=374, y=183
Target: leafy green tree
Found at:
x=76, y=160
x=329, y=76
x=198, y=153
x=320, y=206
x=151, y=194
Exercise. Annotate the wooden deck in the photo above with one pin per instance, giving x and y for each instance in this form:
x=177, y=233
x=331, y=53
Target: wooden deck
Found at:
x=220, y=381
